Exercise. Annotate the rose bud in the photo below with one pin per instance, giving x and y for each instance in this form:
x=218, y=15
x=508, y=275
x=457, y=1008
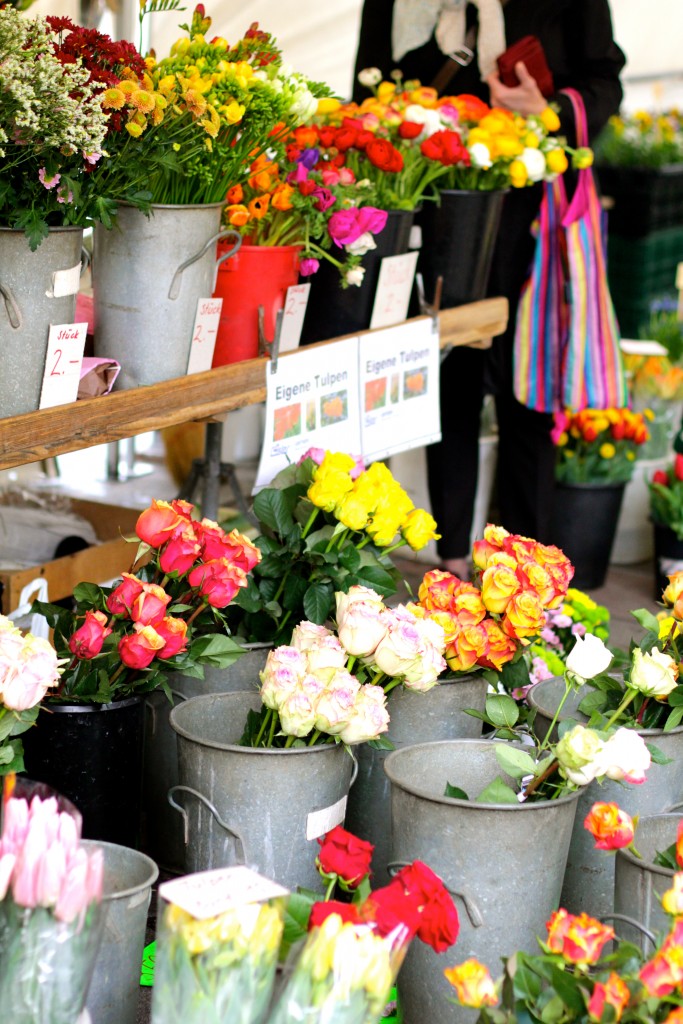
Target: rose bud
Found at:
x=181, y=552
x=122, y=598
x=174, y=632
x=217, y=581
x=87, y=641
x=150, y=605
x=156, y=524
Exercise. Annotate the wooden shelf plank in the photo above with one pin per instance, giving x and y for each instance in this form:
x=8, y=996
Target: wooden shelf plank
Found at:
x=67, y=428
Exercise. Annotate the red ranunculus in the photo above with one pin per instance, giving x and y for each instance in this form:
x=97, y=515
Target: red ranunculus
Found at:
x=343, y=854
x=217, y=581
x=326, y=136
x=384, y=156
x=87, y=641
x=122, y=598
x=139, y=649
x=307, y=187
x=320, y=911
x=363, y=138
x=181, y=552
x=173, y=632
x=409, y=129
x=345, y=138
x=156, y=524
x=150, y=605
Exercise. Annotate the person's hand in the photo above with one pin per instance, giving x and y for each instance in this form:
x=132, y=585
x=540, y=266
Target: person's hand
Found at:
x=525, y=98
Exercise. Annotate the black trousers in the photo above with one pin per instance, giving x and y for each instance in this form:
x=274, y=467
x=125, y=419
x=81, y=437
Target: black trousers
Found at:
x=526, y=455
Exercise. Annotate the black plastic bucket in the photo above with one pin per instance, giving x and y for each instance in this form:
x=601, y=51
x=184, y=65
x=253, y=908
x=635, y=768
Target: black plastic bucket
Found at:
x=458, y=240
x=668, y=557
x=584, y=525
x=332, y=310
x=92, y=754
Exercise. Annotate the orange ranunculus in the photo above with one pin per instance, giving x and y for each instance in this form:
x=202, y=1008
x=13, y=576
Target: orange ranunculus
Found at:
x=468, y=646
x=470, y=107
x=281, y=198
x=473, y=984
x=235, y=195
x=611, y=827
x=524, y=615
x=237, y=215
x=498, y=585
x=614, y=992
x=578, y=938
x=261, y=181
x=425, y=96
x=305, y=136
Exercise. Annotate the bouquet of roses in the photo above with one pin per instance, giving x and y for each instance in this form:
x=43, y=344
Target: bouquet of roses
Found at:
x=354, y=950
x=327, y=524
x=598, y=445
x=324, y=686
x=29, y=667
x=167, y=616
x=50, y=893
x=408, y=142
x=580, y=976
x=288, y=202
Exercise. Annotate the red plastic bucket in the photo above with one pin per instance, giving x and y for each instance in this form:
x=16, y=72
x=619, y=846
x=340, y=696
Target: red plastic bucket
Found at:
x=257, y=275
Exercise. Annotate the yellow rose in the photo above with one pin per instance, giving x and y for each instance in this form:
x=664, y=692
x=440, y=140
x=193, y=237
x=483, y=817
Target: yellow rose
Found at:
x=383, y=528
x=419, y=528
x=328, y=489
x=498, y=585
x=336, y=460
x=524, y=615
x=469, y=644
x=352, y=512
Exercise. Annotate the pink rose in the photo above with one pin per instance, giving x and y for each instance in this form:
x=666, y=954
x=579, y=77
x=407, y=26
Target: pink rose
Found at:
x=360, y=624
x=370, y=717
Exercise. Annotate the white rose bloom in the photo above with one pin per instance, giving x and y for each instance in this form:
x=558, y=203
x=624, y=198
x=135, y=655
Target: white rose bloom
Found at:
x=369, y=718
x=654, y=674
x=534, y=161
x=364, y=243
x=625, y=757
x=308, y=634
x=369, y=77
x=588, y=657
x=580, y=755
x=480, y=155
x=297, y=715
x=355, y=276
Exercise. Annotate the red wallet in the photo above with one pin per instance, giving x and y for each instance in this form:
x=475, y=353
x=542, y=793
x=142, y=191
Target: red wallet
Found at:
x=530, y=52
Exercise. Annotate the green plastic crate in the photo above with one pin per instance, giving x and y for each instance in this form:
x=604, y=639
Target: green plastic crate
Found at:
x=640, y=270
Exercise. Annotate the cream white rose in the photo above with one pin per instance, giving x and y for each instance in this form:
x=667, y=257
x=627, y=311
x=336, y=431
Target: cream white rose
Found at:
x=579, y=753
x=370, y=717
x=360, y=624
x=588, y=657
x=654, y=674
x=625, y=757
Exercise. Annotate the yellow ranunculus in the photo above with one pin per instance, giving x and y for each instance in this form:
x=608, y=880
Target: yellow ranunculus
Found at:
x=385, y=91
x=531, y=140
x=550, y=120
x=518, y=174
x=557, y=161
x=328, y=105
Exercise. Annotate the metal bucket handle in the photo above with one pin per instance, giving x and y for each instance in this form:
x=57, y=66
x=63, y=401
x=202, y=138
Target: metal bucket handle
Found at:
x=210, y=807
x=673, y=807
x=634, y=924
x=13, y=312
x=473, y=911
x=354, y=773
x=174, y=290
x=153, y=711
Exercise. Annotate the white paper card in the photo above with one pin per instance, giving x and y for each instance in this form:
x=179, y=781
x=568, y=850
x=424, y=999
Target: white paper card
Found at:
x=320, y=822
x=399, y=379
x=311, y=402
x=62, y=374
x=208, y=893
x=65, y=282
x=204, y=334
x=296, y=302
x=396, y=275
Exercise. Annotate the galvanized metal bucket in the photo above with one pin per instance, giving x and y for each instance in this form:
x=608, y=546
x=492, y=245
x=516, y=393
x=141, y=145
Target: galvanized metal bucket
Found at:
x=36, y=289
x=503, y=863
x=115, y=983
x=162, y=826
x=589, y=878
x=148, y=273
x=640, y=884
x=243, y=805
x=438, y=714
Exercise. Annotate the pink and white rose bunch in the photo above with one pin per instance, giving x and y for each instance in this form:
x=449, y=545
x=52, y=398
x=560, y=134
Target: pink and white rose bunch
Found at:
x=584, y=755
x=42, y=863
x=28, y=667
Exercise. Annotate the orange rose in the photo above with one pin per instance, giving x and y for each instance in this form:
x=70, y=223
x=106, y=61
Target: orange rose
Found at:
x=674, y=590
x=524, y=615
x=473, y=984
x=437, y=589
x=664, y=973
x=468, y=646
x=672, y=900
x=501, y=648
x=468, y=607
x=535, y=577
x=492, y=541
x=614, y=992
x=611, y=827
x=578, y=938
x=498, y=585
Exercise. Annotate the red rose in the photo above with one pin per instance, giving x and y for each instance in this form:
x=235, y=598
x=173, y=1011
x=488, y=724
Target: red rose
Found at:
x=393, y=911
x=140, y=648
x=173, y=632
x=439, y=924
x=87, y=641
x=122, y=598
x=409, y=129
x=343, y=854
x=217, y=581
x=320, y=911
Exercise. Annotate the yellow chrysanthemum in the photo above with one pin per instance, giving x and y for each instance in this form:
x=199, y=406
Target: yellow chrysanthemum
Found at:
x=142, y=101
x=113, y=99
x=134, y=129
x=195, y=102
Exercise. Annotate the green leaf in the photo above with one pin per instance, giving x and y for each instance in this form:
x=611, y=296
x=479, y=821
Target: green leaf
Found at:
x=567, y=989
x=646, y=619
x=666, y=858
x=502, y=710
x=215, y=649
x=349, y=558
x=381, y=743
x=514, y=675
x=293, y=594
x=674, y=719
x=318, y=602
x=89, y=594
x=553, y=1011
x=527, y=984
x=11, y=757
x=455, y=792
x=318, y=539
x=658, y=756
x=497, y=792
x=272, y=509
x=296, y=915
x=515, y=762
x=377, y=578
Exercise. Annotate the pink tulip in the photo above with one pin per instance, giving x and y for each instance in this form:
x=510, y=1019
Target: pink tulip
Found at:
x=50, y=875
x=73, y=896
x=7, y=863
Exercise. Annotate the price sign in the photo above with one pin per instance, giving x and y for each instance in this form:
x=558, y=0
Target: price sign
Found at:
x=209, y=893
x=395, y=283
x=293, y=319
x=204, y=335
x=63, y=364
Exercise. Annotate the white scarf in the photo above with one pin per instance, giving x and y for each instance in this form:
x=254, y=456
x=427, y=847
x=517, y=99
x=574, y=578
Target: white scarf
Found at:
x=415, y=20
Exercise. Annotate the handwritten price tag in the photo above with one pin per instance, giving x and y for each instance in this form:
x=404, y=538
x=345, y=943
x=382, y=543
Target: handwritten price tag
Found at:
x=293, y=320
x=208, y=893
x=204, y=335
x=65, y=346
x=393, y=289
